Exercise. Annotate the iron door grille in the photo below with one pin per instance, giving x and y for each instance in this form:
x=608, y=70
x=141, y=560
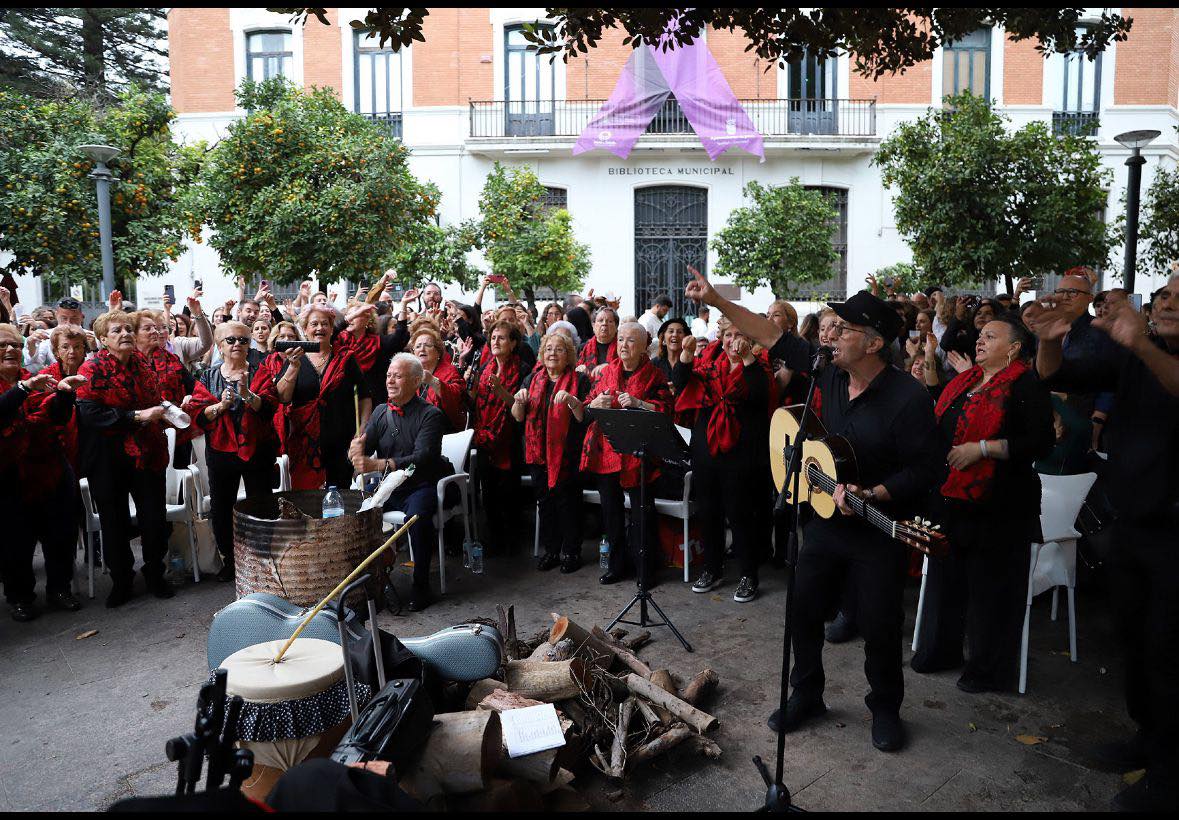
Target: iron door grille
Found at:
x=671, y=232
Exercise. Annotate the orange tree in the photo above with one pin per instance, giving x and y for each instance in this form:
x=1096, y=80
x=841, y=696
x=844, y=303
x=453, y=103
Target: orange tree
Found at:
x=301, y=186
x=48, y=206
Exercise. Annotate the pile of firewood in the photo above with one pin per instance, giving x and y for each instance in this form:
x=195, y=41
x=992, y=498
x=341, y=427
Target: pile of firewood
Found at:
x=616, y=713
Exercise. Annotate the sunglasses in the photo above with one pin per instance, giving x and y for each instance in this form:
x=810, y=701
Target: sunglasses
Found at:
x=236, y=340
x=13, y=345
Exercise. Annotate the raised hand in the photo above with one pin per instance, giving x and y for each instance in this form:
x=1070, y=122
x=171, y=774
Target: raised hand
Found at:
x=700, y=289
x=930, y=346
x=115, y=300
x=71, y=383
x=194, y=304
x=1124, y=324
x=409, y=296
x=872, y=284
x=1047, y=320
x=958, y=361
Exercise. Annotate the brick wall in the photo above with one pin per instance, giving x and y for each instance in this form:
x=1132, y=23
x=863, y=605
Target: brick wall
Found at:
x=322, y=55
x=448, y=67
x=1148, y=62
x=200, y=60
x=913, y=86
x=602, y=65
x=746, y=74
x=1023, y=73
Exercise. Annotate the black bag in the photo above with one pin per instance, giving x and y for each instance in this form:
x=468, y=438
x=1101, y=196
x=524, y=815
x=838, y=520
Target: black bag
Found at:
x=392, y=726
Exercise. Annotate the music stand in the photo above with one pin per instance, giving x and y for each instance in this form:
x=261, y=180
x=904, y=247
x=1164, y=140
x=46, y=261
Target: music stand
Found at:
x=641, y=434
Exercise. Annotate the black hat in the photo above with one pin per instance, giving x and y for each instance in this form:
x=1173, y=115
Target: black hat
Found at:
x=865, y=309
x=669, y=322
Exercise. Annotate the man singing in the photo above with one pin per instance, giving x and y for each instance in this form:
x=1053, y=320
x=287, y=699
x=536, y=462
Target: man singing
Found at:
x=408, y=431
x=889, y=421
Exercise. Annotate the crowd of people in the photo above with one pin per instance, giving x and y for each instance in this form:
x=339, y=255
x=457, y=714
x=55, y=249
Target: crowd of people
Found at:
x=952, y=404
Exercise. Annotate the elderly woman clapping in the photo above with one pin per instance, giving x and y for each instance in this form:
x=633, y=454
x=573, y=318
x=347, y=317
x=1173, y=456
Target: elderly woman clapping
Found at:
x=442, y=384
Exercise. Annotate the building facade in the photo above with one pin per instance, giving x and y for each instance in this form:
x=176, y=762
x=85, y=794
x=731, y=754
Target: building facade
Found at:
x=474, y=93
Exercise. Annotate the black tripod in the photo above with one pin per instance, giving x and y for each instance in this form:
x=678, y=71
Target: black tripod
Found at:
x=640, y=434
x=777, y=795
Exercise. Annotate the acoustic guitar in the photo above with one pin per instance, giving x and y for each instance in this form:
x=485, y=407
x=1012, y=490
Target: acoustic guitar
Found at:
x=829, y=460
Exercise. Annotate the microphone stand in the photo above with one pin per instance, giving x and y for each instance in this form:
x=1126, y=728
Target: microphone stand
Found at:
x=777, y=794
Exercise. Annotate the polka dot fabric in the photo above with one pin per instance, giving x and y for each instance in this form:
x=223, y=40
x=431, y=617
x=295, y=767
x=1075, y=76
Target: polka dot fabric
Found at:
x=293, y=719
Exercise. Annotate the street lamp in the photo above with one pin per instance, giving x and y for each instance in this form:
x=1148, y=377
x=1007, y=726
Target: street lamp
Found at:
x=102, y=176
x=1135, y=141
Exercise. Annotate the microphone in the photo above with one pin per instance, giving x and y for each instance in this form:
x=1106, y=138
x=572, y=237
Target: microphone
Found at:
x=822, y=357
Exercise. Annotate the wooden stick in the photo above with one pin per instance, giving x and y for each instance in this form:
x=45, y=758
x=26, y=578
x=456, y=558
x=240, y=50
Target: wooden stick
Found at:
x=481, y=689
x=598, y=652
x=700, y=686
x=352, y=576
x=546, y=681
x=553, y=652
x=698, y=720
x=621, y=652
x=648, y=713
x=662, y=678
x=669, y=739
x=635, y=643
x=618, y=750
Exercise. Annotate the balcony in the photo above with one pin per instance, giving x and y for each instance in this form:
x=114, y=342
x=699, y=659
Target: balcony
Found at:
x=1075, y=123
x=516, y=120
x=391, y=120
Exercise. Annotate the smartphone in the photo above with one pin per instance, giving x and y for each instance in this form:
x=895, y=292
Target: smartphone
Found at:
x=266, y=284
x=1136, y=301
x=170, y=293
x=291, y=344
x=198, y=285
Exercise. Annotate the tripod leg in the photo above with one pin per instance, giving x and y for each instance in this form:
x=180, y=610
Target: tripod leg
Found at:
x=667, y=622
x=622, y=614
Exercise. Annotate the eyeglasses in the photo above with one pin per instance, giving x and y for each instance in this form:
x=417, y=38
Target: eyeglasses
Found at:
x=1069, y=292
x=13, y=345
x=837, y=330
x=236, y=340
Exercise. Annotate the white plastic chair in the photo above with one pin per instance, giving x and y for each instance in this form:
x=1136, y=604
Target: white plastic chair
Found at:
x=180, y=500
x=200, y=473
x=455, y=449
x=683, y=508
x=90, y=532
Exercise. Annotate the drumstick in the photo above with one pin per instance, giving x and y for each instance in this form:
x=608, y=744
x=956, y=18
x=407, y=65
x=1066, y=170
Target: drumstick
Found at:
x=351, y=577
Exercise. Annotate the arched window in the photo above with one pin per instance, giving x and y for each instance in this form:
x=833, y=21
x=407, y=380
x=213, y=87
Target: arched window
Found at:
x=268, y=55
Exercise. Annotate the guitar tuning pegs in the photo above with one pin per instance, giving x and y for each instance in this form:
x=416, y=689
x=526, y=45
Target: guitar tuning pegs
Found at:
x=937, y=527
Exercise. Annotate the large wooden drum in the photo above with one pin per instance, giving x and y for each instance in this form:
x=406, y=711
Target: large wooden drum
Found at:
x=300, y=559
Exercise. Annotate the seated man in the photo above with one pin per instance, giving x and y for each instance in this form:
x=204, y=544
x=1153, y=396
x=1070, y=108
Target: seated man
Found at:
x=408, y=431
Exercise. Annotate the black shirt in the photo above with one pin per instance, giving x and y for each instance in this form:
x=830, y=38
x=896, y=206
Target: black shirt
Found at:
x=890, y=426
x=415, y=437
x=751, y=449
x=576, y=434
x=337, y=418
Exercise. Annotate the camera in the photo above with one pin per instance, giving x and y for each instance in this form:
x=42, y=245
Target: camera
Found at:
x=291, y=344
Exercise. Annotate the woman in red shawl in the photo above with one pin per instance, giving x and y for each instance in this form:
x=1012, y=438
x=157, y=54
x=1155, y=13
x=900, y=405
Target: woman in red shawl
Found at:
x=443, y=385
x=151, y=335
x=122, y=450
x=68, y=343
x=322, y=394
x=497, y=436
x=633, y=382
x=373, y=351
x=234, y=404
x=549, y=405
x=730, y=394
x=602, y=348
x=38, y=489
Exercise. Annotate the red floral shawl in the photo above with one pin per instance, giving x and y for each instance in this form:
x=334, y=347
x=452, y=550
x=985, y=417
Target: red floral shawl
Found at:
x=364, y=347
x=981, y=418
x=449, y=396
x=169, y=372
x=298, y=425
x=32, y=443
x=256, y=427
x=691, y=398
x=134, y=387
x=647, y=383
x=493, y=418
x=67, y=433
x=589, y=354
x=546, y=424
x=717, y=385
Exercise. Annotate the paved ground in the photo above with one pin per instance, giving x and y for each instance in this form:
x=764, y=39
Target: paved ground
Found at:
x=83, y=722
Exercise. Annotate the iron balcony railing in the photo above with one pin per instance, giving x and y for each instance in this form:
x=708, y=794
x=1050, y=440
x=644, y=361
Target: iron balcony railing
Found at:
x=391, y=120
x=524, y=119
x=1076, y=123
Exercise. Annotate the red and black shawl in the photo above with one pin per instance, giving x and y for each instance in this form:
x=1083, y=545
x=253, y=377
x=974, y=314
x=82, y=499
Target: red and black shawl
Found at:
x=448, y=397
x=298, y=425
x=364, y=347
x=717, y=384
x=257, y=427
x=981, y=418
x=493, y=418
x=691, y=398
x=647, y=383
x=546, y=424
x=32, y=443
x=170, y=374
x=67, y=433
x=131, y=387
x=589, y=354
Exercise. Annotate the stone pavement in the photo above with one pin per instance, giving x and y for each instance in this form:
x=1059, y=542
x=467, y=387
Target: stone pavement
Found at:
x=83, y=722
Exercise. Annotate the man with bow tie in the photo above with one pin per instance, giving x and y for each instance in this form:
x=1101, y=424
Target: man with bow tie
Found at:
x=408, y=431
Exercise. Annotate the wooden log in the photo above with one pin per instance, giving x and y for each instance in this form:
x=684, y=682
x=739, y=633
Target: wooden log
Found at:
x=546, y=681
x=561, y=651
x=648, y=713
x=460, y=755
x=638, y=641
x=575, y=711
x=668, y=740
x=707, y=747
x=501, y=700
x=700, y=687
x=596, y=651
x=481, y=689
x=689, y=714
x=663, y=679
x=623, y=654
x=539, y=768
x=618, y=751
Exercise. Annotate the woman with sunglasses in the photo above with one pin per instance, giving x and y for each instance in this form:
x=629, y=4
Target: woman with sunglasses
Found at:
x=234, y=404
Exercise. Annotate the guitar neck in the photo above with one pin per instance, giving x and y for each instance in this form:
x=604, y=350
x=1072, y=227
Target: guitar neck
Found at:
x=858, y=505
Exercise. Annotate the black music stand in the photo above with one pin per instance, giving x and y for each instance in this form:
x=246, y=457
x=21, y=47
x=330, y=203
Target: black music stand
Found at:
x=641, y=434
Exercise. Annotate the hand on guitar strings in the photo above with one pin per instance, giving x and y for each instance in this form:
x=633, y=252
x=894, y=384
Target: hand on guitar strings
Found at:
x=842, y=491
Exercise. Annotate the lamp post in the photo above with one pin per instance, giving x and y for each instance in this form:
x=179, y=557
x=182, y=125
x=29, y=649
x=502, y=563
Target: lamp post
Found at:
x=102, y=176
x=1135, y=141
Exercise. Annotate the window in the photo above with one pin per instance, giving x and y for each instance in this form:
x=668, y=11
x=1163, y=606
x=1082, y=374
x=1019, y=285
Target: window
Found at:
x=809, y=78
x=379, y=82
x=555, y=198
x=966, y=65
x=268, y=55
x=529, y=87
x=836, y=286
x=1081, y=99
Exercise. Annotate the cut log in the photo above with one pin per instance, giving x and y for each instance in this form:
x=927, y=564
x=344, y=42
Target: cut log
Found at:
x=501, y=700
x=550, y=652
x=623, y=654
x=700, y=687
x=595, y=650
x=648, y=713
x=539, y=768
x=546, y=681
x=668, y=740
x=618, y=751
x=707, y=747
x=460, y=755
x=638, y=641
x=481, y=689
x=689, y=714
x=663, y=679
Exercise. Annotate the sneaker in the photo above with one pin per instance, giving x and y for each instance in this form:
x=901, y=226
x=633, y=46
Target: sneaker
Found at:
x=841, y=630
x=706, y=582
x=888, y=733
x=746, y=590
x=799, y=710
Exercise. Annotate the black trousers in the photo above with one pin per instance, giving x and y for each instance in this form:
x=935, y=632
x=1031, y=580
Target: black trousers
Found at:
x=334, y=455
x=501, y=503
x=421, y=501
x=560, y=513
x=622, y=531
x=110, y=491
x=1145, y=585
x=226, y=473
x=833, y=551
x=978, y=591
x=52, y=519
x=724, y=492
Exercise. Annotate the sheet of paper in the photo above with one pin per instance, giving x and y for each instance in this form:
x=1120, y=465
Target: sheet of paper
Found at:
x=531, y=729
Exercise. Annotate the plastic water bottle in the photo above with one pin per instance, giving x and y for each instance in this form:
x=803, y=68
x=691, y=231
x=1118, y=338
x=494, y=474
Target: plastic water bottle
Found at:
x=333, y=504
x=604, y=555
x=477, y=558
x=466, y=555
